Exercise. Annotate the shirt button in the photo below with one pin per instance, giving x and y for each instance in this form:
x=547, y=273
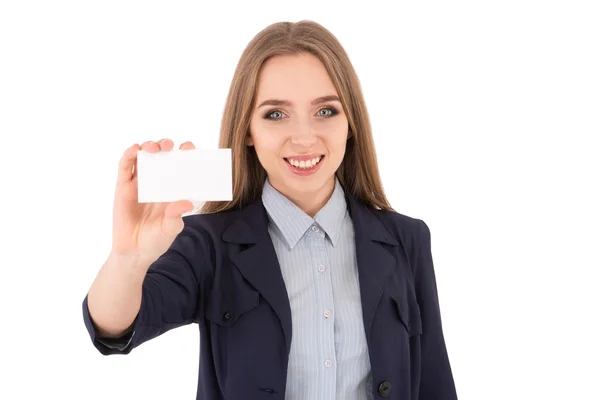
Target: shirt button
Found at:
x=327, y=313
x=328, y=363
x=321, y=268
x=315, y=228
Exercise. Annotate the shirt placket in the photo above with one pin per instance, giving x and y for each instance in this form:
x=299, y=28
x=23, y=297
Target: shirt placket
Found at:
x=325, y=310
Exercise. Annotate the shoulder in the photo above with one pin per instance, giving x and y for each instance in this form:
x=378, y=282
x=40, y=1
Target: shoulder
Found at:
x=412, y=232
x=200, y=241
x=211, y=226
x=400, y=224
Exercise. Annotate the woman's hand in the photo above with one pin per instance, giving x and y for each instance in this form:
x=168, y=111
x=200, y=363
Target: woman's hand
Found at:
x=144, y=231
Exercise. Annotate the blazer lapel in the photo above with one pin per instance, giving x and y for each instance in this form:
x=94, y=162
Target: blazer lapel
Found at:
x=254, y=256
x=375, y=262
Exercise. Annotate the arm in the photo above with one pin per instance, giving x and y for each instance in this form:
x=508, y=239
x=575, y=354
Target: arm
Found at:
x=437, y=382
x=168, y=295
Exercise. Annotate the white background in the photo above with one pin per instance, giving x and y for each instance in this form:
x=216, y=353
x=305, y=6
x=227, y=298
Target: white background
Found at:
x=486, y=117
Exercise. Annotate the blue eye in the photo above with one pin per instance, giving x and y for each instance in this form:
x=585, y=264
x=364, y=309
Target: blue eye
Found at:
x=332, y=112
x=271, y=113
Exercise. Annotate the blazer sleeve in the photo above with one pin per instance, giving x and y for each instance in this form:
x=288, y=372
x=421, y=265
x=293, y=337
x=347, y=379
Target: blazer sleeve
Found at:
x=170, y=294
x=437, y=382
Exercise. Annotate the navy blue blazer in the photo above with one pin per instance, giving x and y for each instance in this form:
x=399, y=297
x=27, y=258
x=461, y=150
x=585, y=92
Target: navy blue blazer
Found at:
x=222, y=273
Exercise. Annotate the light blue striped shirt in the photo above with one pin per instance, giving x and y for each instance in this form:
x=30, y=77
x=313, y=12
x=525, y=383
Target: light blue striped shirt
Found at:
x=329, y=356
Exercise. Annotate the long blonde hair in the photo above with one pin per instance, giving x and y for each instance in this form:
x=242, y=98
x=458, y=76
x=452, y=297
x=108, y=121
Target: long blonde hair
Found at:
x=358, y=174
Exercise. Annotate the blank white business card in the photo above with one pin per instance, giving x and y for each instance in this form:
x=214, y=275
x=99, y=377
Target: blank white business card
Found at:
x=195, y=175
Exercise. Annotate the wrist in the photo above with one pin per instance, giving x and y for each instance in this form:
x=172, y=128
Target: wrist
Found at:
x=131, y=261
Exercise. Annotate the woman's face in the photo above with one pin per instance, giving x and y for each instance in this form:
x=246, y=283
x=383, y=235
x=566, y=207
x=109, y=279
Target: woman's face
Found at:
x=298, y=127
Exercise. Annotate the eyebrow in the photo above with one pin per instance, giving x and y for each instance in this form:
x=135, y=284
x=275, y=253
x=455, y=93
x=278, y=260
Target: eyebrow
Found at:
x=318, y=100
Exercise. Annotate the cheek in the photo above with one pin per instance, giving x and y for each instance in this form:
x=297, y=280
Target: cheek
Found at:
x=336, y=137
x=267, y=144
x=334, y=127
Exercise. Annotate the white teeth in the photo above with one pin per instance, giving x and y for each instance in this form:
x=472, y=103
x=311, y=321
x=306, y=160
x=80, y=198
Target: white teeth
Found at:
x=305, y=164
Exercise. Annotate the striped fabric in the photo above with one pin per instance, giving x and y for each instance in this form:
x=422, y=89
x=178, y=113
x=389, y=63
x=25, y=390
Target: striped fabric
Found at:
x=329, y=354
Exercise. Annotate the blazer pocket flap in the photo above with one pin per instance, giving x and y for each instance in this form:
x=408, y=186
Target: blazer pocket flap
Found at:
x=409, y=315
x=225, y=308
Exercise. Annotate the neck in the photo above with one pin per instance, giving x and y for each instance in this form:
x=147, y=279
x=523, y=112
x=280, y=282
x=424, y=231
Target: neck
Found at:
x=309, y=202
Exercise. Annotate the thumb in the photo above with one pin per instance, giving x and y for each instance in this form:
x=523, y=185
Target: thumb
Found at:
x=177, y=208
x=173, y=221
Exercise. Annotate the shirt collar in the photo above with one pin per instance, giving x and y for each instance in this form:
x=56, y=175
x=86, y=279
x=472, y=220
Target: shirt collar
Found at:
x=293, y=222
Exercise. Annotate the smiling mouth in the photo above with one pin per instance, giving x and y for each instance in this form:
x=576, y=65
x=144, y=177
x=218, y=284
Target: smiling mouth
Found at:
x=305, y=164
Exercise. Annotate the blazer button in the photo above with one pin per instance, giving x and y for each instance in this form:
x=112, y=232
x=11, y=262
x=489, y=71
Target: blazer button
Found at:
x=228, y=316
x=385, y=389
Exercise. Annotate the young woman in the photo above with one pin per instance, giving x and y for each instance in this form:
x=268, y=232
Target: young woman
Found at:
x=307, y=285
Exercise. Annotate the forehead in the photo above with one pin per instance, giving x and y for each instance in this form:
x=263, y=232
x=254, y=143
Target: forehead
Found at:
x=296, y=76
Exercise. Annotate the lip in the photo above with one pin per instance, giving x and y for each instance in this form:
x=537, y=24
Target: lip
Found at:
x=304, y=157
x=305, y=172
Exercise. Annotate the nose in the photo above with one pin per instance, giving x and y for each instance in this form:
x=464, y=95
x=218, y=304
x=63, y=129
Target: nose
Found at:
x=303, y=135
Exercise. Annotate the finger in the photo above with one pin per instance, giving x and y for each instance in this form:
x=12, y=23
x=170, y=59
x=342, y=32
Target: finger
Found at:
x=187, y=146
x=177, y=208
x=165, y=144
x=127, y=163
x=150, y=146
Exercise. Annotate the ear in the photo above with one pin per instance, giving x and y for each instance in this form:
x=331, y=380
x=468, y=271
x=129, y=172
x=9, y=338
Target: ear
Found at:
x=249, y=140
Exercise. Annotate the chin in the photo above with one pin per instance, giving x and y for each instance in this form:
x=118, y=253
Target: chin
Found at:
x=307, y=183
